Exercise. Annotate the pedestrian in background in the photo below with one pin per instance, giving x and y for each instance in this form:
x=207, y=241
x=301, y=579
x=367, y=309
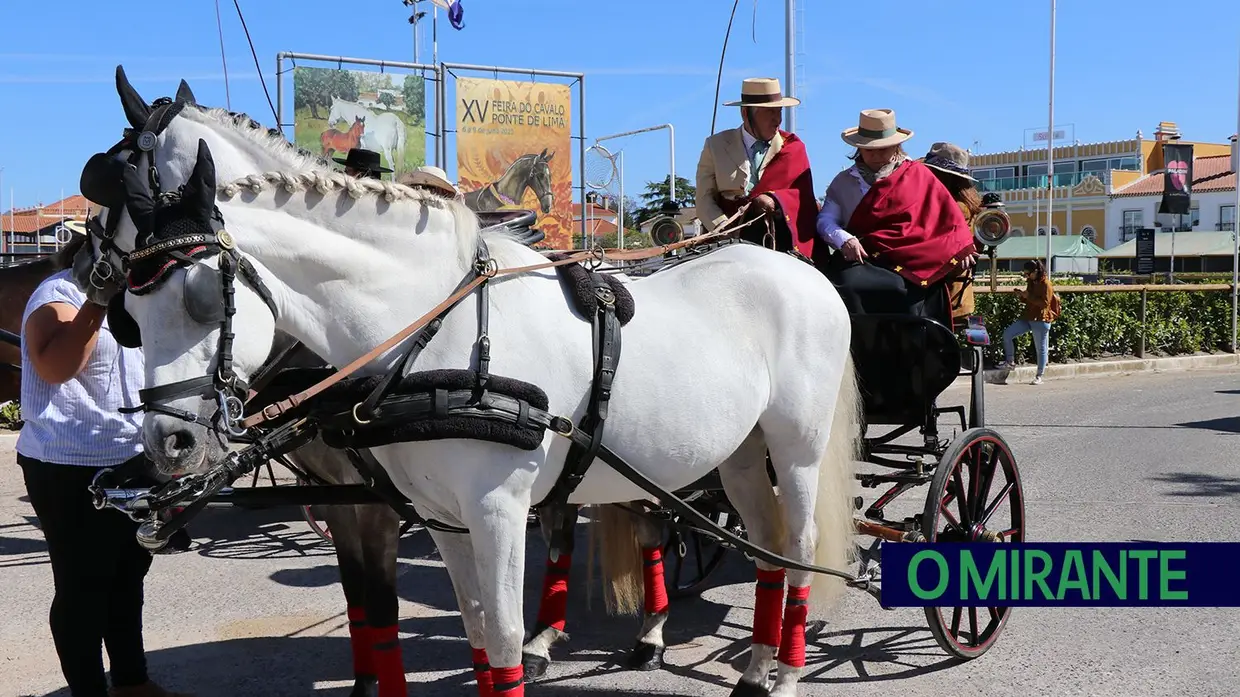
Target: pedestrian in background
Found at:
x=1041, y=309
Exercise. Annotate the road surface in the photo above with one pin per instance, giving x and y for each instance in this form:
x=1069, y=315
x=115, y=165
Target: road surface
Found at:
x=256, y=607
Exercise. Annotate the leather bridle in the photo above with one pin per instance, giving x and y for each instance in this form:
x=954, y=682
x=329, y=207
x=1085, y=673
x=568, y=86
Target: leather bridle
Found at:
x=191, y=246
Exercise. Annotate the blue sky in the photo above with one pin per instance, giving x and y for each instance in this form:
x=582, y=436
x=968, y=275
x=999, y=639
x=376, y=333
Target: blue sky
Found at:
x=971, y=72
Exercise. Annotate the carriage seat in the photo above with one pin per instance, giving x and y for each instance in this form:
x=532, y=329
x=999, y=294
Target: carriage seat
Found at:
x=903, y=363
x=518, y=221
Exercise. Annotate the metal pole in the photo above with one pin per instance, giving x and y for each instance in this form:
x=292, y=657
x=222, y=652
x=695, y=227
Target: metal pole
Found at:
x=790, y=60
x=620, y=206
x=280, y=92
x=671, y=141
x=581, y=148
x=1235, y=238
x=1050, y=153
x=415, y=33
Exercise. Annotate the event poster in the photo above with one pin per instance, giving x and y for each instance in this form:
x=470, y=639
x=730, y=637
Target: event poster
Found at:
x=337, y=110
x=514, y=150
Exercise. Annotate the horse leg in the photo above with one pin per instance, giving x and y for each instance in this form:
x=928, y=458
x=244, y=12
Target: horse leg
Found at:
x=815, y=474
x=379, y=530
x=497, y=527
x=457, y=552
x=748, y=487
x=553, y=605
x=346, y=534
x=648, y=653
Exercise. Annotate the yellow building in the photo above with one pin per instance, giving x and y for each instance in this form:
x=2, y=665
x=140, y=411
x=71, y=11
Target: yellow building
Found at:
x=1085, y=176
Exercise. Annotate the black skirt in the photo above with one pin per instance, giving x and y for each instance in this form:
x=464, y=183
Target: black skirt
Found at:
x=868, y=288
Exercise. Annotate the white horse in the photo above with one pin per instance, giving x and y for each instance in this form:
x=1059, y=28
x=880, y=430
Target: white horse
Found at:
x=732, y=354
x=385, y=132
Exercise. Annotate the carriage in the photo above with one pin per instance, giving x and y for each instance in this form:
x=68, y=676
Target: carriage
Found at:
x=904, y=363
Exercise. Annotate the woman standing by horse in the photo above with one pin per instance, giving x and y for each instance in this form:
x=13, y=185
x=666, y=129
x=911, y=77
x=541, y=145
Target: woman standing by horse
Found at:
x=75, y=378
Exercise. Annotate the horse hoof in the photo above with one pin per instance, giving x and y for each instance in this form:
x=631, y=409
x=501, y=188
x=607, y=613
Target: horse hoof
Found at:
x=535, y=666
x=748, y=689
x=646, y=657
x=365, y=687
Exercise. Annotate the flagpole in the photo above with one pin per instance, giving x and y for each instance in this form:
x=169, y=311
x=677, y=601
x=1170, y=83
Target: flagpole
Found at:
x=1050, y=154
x=790, y=61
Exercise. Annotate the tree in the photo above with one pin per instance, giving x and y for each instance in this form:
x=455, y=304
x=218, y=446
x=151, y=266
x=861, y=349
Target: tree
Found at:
x=414, y=91
x=386, y=99
x=656, y=194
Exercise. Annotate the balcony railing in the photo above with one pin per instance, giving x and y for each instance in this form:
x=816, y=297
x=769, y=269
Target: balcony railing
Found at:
x=1225, y=226
x=1038, y=181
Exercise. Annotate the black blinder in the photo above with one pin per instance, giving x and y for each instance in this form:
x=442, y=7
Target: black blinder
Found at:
x=124, y=329
x=203, y=294
x=102, y=180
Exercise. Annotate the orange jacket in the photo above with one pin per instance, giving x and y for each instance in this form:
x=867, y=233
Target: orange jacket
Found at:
x=1041, y=305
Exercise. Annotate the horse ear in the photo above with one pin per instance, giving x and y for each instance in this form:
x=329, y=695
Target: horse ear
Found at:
x=546, y=157
x=136, y=109
x=138, y=199
x=199, y=191
x=185, y=94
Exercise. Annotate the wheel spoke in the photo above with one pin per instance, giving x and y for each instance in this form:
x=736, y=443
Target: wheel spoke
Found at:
x=987, y=478
x=956, y=622
x=962, y=501
x=990, y=510
x=973, y=626
x=951, y=519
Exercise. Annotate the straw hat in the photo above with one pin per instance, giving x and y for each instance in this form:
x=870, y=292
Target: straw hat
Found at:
x=949, y=158
x=876, y=129
x=432, y=177
x=763, y=91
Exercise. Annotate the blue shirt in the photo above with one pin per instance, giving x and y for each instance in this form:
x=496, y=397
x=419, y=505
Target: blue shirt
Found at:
x=77, y=422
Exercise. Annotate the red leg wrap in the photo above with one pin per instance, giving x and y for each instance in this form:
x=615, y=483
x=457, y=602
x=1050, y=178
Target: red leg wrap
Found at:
x=482, y=671
x=656, y=591
x=792, y=649
x=359, y=638
x=768, y=601
x=553, y=608
x=388, y=663
x=508, y=682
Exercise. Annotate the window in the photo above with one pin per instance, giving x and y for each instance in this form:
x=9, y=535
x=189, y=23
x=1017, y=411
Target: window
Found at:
x=1133, y=220
x=1227, y=217
x=1089, y=233
x=1179, y=223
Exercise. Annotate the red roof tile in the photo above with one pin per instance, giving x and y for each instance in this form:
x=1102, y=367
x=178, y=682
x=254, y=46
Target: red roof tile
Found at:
x=1211, y=173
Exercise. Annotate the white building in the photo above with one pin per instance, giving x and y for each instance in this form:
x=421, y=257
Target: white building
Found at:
x=1135, y=205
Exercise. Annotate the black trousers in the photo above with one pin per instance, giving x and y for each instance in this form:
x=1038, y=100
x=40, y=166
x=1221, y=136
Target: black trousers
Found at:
x=99, y=569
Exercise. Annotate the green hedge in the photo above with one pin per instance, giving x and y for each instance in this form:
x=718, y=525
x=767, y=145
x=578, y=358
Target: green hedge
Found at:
x=1102, y=325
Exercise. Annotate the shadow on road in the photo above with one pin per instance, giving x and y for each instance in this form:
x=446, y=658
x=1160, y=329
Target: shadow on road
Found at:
x=1200, y=484
x=1226, y=424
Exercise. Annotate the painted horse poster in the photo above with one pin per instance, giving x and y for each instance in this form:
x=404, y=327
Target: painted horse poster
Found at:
x=336, y=110
x=514, y=151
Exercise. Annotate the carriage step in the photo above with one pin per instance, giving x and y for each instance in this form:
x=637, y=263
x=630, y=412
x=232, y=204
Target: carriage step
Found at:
x=858, y=502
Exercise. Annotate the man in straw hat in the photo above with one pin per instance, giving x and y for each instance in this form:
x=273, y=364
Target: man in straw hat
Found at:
x=432, y=179
x=760, y=165
x=897, y=228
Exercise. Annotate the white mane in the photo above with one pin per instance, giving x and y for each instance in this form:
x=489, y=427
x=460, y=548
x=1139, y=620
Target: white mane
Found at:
x=304, y=172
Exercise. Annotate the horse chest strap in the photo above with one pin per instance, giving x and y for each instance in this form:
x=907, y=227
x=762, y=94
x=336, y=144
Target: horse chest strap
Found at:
x=588, y=436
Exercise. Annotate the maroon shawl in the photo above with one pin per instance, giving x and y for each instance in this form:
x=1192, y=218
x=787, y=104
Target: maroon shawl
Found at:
x=788, y=180
x=910, y=223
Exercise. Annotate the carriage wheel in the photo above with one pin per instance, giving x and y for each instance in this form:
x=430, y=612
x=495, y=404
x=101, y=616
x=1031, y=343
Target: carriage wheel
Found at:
x=976, y=496
x=690, y=557
x=319, y=527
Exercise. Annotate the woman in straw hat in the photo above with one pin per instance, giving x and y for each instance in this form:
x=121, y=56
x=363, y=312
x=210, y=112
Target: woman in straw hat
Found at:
x=898, y=231
x=759, y=165
x=950, y=164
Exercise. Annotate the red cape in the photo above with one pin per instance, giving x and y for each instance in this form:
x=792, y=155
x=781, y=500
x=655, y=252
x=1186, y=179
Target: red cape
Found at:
x=788, y=180
x=912, y=225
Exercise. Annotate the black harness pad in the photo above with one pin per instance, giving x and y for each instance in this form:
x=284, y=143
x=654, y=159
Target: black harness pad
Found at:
x=581, y=291
x=428, y=405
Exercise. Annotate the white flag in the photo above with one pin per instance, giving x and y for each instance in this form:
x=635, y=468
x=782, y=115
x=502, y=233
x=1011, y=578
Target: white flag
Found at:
x=445, y=4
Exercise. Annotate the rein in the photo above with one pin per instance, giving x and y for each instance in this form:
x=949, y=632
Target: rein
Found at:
x=484, y=272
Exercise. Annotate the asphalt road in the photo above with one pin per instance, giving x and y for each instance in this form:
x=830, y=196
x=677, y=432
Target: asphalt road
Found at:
x=256, y=607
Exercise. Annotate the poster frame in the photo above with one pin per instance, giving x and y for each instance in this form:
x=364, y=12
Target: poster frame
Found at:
x=340, y=61
x=579, y=80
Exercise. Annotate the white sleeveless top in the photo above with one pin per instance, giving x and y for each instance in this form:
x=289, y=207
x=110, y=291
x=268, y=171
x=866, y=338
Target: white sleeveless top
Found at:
x=77, y=422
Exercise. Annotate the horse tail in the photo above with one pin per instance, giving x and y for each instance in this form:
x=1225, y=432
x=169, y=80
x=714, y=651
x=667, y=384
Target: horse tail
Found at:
x=614, y=534
x=833, y=512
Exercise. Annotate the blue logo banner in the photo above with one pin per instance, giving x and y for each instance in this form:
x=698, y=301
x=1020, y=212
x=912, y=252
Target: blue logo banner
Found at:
x=1061, y=574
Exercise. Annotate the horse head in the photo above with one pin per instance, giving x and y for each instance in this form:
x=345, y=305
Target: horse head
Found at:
x=539, y=179
x=156, y=247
